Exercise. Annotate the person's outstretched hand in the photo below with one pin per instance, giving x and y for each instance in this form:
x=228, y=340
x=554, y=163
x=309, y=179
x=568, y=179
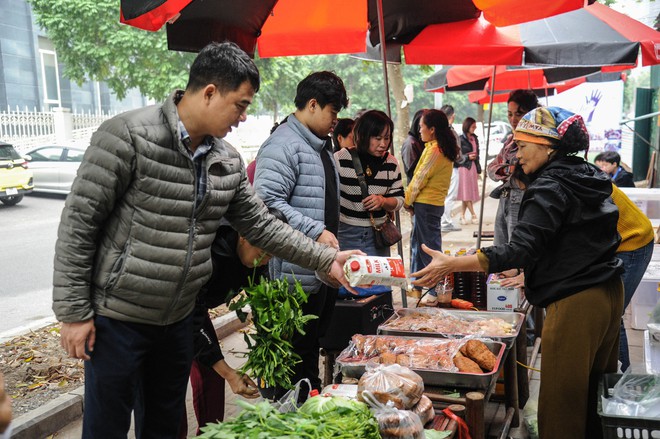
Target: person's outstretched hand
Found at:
x=75, y=336
x=435, y=271
x=242, y=385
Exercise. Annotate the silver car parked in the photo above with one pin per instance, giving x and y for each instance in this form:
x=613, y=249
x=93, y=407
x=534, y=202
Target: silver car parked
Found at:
x=54, y=167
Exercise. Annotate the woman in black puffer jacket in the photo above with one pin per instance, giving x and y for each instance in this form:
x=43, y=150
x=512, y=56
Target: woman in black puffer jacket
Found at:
x=566, y=240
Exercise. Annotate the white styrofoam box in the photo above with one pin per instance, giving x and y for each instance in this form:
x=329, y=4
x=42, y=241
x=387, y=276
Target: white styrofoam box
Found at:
x=502, y=298
x=642, y=303
x=647, y=199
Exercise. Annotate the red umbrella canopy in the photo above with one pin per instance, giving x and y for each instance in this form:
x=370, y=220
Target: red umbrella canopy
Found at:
x=484, y=96
x=592, y=36
x=303, y=27
x=474, y=78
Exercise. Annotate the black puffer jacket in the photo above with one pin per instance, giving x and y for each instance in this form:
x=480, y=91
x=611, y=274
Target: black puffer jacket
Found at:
x=566, y=237
x=466, y=148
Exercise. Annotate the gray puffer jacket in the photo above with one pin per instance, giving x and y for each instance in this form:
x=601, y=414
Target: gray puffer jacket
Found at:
x=131, y=244
x=290, y=177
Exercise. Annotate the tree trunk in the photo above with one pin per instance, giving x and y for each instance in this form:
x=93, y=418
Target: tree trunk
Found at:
x=401, y=116
x=275, y=112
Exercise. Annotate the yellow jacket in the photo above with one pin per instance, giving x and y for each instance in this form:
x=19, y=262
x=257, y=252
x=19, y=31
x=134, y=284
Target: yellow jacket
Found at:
x=430, y=182
x=634, y=227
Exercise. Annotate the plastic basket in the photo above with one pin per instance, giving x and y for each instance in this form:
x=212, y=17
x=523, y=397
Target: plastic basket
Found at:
x=624, y=427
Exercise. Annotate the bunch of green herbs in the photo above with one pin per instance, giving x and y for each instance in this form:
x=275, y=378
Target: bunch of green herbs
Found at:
x=277, y=316
x=263, y=421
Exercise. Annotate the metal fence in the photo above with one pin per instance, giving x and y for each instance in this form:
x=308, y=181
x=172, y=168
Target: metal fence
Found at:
x=27, y=128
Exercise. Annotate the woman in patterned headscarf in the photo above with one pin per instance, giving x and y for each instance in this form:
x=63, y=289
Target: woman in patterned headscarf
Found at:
x=566, y=240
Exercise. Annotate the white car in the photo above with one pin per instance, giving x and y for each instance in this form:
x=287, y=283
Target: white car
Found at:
x=498, y=134
x=54, y=167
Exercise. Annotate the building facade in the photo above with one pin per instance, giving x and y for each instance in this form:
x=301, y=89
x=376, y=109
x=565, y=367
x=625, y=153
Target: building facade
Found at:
x=30, y=76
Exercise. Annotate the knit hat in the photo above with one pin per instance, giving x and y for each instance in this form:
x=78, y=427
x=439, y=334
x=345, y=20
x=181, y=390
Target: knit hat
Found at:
x=546, y=125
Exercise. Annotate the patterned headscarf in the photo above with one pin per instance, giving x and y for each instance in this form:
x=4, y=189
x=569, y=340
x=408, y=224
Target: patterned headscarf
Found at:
x=546, y=125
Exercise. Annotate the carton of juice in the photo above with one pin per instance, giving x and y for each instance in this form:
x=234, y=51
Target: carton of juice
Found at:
x=375, y=270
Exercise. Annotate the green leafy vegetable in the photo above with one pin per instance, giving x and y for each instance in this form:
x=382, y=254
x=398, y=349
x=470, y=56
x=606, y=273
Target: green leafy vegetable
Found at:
x=263, y=421
x=277, y=315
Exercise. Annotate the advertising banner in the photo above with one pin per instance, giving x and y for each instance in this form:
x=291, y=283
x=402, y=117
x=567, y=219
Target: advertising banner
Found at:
x=601, y=106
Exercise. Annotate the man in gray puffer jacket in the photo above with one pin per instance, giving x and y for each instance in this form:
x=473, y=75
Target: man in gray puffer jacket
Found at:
x=296, y=174
x=134, y=242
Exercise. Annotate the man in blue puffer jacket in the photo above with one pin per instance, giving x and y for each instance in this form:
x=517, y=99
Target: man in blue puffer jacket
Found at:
x=296, y=174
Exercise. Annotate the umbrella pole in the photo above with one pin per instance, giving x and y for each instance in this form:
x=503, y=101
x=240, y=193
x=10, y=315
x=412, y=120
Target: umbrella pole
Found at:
x=383, y=57
x=483, y=186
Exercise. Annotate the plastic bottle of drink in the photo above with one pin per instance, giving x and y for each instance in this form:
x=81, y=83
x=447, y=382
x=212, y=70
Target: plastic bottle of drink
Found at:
x=461, y=281
x=479, y=289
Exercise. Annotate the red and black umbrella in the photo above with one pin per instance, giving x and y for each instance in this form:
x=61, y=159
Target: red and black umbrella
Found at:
x=592, y=36
x=304, y=27
x=502, y=95
x=507, y=78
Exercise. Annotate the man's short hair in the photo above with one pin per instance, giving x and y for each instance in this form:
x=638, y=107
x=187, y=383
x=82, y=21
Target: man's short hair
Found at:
x=325, y=87
x=225, y=65
x=609, y=157
x=448, y=110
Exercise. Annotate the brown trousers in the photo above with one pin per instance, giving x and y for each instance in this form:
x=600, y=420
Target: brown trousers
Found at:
x=580, y=342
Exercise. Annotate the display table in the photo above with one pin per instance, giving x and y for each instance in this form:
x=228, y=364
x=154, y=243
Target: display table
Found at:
x=516, y=385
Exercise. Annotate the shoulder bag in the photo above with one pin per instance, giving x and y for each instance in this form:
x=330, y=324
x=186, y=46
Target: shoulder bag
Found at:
x=387, y=234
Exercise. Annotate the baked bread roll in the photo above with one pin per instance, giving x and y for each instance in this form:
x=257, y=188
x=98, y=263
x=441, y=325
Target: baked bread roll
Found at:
x=480, y=354
x=466, y=365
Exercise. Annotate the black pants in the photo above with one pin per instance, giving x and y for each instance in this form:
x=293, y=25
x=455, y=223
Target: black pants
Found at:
x=320, y=304
x=139, y=365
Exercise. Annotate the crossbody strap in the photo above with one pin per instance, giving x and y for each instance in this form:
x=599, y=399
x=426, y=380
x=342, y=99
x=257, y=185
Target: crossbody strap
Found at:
x=357, y=165
x=359, y=172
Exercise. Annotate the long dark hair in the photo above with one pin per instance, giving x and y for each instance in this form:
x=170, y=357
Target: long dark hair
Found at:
x=369, y=125
x=446, y=138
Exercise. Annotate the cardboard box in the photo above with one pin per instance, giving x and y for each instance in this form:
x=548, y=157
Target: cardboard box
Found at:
x=502, y=298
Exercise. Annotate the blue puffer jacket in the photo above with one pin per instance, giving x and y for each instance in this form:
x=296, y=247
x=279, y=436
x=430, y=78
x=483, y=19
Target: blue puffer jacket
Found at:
x=290, y=177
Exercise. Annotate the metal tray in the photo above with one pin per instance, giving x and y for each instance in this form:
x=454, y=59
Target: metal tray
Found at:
x=514, y=318
x=483, y=381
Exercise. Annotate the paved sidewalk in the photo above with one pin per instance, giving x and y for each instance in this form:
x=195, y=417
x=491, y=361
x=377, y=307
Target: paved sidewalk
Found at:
x=233, y=345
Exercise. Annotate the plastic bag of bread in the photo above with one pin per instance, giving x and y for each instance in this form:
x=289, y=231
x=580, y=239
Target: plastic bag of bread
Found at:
x=424, y=409
x=394, y=383
x=399, y=424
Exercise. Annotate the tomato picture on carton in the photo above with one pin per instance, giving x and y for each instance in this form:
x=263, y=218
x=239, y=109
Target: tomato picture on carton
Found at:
x=375, y=270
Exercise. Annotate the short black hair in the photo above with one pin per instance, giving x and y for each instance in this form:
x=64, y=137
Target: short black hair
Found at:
x=225, y=65
x=612, y=157
x=369, y=125
x=325, y=87
x=343, y=128
x=525, y=98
